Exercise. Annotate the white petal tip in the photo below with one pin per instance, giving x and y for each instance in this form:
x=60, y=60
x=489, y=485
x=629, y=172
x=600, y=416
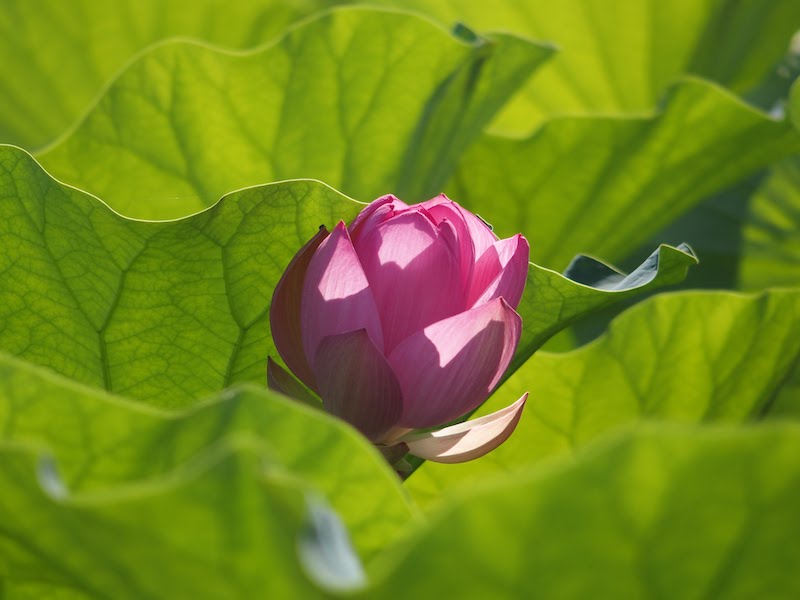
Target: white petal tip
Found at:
x=469, y=440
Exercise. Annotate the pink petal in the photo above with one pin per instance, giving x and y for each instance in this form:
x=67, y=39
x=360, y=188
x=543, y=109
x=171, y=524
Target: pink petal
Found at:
x=502, y=270
x=414, y=274
x=336, y=295
x=279, y=380
x=375, y=213
x=443, y=209
x=472, y=230
x=357, y=384
x=284, y=311
x=450, y=367
x=438, y=202
x=481, y=234
x=465, y=441
x=478, y=231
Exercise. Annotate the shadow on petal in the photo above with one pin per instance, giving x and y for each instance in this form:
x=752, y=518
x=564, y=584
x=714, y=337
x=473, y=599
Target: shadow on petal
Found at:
x=279, y=380
x=336, y=294
x=357, y=384
x=451, y=367
x=284, y=310
x=414, y=274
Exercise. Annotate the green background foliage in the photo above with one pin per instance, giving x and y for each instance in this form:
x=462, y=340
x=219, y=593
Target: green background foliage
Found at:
x=141, y=455
x=62, y=55
x=186, y=123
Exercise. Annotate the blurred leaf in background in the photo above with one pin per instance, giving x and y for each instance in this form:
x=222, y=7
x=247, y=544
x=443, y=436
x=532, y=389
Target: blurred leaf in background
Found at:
x=58, y=56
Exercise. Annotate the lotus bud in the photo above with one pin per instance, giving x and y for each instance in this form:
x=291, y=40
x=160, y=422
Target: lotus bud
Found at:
x=405, y=320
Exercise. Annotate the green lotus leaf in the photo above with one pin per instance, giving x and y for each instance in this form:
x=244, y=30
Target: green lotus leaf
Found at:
x=221, y=526
x=619, y=59
x=659, y=511
x=605, y=185
x=691, y=357
x=185, y=124
x=169, y=312
x=102, y=442
x=59, y=56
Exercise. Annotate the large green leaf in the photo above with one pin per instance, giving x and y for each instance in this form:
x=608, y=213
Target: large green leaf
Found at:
x=794, y=102
x=751, y=223
x=619, y=58
x=552, y=301
x=185, y=124
x=769, y=253
x=690, y=357
x=168, y=312
x=223, y=526
x=605, y=185
x=102, y=441
x=748, y=238
x=61, y=56
x=787, y=402
x=714, y=229
x=57, y=56
x=659, y=512
x=770, y=246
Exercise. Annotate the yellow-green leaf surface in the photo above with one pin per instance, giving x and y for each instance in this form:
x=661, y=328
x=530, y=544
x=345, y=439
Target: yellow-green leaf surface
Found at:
x=794, y=104
x=748, y=239
x=101, y=442
x=552, y=301
x=604, y=185
x=787, y=403
x=769, y=252
x=619, y=57
x=745, y=234
x=57, y=56
x=63, y=54
x=770, y=236
x=185, y=124
x=223, y=526
x=770, y=247
x=688, y=357
x=168, y=312
x=660, y=512
x=751, y=220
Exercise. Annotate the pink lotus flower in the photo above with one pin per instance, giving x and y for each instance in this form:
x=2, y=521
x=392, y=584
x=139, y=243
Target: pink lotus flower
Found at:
x=403, y=321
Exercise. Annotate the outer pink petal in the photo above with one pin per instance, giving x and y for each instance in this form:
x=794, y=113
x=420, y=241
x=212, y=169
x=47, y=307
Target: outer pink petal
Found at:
x=502, y=270
x=375, y=213
x=465, y=441
x=279, y=380
x=357, y=384
x=336, y=295
x=414, y=274
x=450, y=367
x=284, y=311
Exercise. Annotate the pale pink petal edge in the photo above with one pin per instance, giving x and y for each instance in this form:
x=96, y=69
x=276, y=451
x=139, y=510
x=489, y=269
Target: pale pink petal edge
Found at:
x=469, y=440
